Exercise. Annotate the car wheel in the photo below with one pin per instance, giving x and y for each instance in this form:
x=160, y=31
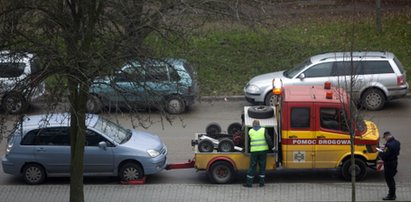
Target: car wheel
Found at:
x=94, y=104
x=14, y=103
x=347, y=170
x=221, y=172
x=225, y=145
x=270, y=99
x=34, y=174
x=205, y=146
x=131, y=171
x=260, y=112
x=373, y=99
x=175, y=105
x=213, y=129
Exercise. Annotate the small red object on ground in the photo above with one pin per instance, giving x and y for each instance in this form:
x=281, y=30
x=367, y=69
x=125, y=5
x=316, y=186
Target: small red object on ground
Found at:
x=138, y=181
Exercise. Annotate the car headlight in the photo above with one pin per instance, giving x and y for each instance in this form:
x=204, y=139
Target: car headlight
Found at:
x=153, y=153
x=253, y=89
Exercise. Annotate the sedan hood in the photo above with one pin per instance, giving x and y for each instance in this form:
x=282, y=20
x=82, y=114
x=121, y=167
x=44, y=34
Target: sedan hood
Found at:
x=266, y=78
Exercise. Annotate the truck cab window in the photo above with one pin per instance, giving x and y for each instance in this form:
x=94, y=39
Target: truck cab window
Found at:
x=300, y=117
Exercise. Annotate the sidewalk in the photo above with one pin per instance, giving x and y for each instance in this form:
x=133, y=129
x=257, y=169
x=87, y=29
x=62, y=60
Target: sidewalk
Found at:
x=206, y=192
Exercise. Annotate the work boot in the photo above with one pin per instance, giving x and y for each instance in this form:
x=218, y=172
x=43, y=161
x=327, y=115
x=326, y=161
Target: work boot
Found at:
x=261, y=180
x=247, y=185
x=389, y=198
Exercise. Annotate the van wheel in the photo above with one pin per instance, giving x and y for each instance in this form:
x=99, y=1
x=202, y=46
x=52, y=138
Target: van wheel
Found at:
x=221, y=172
x=260, y=112
x=14, y=103
x=131, y=171
x=33, y=174
x=175, y=105
x=205, y=146
x=373, y=99
x=94, y=104
x=347, y=170
x=226, y=145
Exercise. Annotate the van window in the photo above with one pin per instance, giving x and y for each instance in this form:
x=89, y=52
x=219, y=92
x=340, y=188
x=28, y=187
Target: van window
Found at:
x=93, y=138
x=320, y=70
x=300, y=117
x=47, y=136
x=8, y=69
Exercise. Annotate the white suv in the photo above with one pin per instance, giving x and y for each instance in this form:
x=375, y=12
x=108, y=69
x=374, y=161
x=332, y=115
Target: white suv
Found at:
x=377, y=77
x=17, y=77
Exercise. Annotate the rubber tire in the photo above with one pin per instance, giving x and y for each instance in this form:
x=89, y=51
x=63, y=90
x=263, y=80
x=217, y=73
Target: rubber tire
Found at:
x=205, y=146
x=175, y=105
x=33, y=174
x=270, y=99
x=94, y=105
x=360, y=166
x=225, y=145
x=221, y=172
x=233, y=128
x=130, y=171
x=14, y=103
x=213, y=128
x=373, y=99
x=260, y=112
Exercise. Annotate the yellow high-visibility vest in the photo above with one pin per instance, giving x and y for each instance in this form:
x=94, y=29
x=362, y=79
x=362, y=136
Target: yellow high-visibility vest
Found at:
x=257, y=140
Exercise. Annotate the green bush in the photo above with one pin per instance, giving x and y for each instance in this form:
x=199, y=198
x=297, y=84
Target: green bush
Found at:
x=226, y=57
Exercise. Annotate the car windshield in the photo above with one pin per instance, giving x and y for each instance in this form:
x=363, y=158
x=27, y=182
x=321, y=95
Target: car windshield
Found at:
x=292, y=72
x=117, y=133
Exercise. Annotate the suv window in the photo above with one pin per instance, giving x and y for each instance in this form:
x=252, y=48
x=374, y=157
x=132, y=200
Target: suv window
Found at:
x=93, y=138
x=156, y=73
x=8, y=70
x=300, y=117
x=47, y=136
x=320, y=70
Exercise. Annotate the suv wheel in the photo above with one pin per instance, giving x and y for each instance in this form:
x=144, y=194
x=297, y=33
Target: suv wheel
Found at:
x=373, y=99
x=14, y=103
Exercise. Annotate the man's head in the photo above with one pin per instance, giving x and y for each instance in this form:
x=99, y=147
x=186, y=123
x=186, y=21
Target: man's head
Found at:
x=387, y=135
x=256, y=123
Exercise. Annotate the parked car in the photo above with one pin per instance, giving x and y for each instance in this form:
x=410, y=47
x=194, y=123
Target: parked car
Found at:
x=40, y=148
x=17, y=74
x=377, y=77
x=164, y=84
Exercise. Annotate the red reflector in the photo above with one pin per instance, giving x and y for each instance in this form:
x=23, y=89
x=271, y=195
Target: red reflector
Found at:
x=327, y=85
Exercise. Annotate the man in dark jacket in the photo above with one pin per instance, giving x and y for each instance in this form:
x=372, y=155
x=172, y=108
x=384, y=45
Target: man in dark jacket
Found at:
x=389, y=155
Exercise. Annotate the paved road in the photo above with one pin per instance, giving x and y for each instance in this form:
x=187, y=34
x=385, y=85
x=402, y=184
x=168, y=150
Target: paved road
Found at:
x=189, y=185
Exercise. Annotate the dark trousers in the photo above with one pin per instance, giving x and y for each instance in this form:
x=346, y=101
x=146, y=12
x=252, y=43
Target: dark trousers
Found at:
x=390, y=169
x=259, y=158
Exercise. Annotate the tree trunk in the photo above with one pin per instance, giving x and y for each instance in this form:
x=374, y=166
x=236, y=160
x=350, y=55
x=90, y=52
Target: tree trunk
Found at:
x=78, y=98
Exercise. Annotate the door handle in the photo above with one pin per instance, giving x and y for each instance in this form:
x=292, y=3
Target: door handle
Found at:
x=321, y=137
x=41, y=149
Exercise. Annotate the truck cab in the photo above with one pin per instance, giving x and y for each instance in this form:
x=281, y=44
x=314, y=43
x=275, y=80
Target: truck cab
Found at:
x=311, y=127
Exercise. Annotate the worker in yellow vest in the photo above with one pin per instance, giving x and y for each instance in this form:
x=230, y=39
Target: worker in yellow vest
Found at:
x=258, y=154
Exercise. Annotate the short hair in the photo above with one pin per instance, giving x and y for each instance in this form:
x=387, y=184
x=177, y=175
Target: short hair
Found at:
x=256, y=123
x=386, y=133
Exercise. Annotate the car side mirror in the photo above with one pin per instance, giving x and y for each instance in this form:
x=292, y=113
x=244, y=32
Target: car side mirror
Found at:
x=301, y=76
x=102, y=145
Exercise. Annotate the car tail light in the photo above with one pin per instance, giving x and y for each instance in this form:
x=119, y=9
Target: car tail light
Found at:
x=400, y=80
